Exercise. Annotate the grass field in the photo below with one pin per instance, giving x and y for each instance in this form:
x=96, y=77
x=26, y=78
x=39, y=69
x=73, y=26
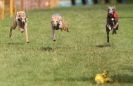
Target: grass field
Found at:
x=76, y=57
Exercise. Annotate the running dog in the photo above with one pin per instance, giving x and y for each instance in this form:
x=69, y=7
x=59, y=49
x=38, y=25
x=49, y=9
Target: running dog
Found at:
x=58, y=23
x=20, y=21
x=112, y=21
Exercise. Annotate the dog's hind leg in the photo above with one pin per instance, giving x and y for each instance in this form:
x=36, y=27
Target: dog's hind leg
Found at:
x=54, y=36
x=108, y=37
x=10, y=34
x=12, y=28
x=67, y=29
x=65, y=26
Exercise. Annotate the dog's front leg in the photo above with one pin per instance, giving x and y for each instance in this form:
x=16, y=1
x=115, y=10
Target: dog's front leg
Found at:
x=107, y=31
x=53, y=34
x=116, y=26
x=12, y=28
x=26, y=33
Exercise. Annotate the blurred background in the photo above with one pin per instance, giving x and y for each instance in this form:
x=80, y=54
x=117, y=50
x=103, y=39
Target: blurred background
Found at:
x=32, y=4
x=43, y=4
x=11, y=6
x=76, y=57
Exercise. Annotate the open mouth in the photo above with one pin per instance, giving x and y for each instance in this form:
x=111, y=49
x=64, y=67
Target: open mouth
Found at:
x=23, y=23
x=110, y=14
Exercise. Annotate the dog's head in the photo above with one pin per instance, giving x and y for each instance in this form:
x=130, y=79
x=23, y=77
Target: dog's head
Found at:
x=21, y=16
x=111, y=11
x=55, y=21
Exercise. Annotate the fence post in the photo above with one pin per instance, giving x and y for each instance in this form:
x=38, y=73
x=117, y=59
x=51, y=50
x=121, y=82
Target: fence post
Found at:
x=11, y=7
x=50, y=3
x=53, y=3
x=39, y=4
x=22, y=5
x=2, y=9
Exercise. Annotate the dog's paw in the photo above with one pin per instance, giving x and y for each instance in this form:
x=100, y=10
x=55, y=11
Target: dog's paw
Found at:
x=54, y=40
x=68, y=31
x=27, y=42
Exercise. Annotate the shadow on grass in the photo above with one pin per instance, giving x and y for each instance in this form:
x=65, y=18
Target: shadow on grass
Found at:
x=46, y=49
x=90, y=79
x=129, y=68
x=15, y=43
x=54, y=48
x=103, y=45
x=125, y=78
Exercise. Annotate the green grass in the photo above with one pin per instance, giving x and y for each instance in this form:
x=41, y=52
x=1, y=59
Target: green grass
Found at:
x=76, y=57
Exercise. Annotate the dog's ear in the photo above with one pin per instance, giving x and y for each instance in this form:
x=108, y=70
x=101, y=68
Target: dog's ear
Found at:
x=17, y=15
x=114, y=8
x=60, y=18
x=52, y=18
x=108, y=8
x=21, y=13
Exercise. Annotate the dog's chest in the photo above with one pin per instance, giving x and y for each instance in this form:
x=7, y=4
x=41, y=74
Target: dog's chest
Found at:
x=20, y=24
x=111, y=21
x=58, y=26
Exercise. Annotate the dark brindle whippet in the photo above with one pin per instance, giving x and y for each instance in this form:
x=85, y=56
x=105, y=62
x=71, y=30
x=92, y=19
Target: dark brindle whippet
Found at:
x=57, y=22
x=20, y=21
x=112, y=21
